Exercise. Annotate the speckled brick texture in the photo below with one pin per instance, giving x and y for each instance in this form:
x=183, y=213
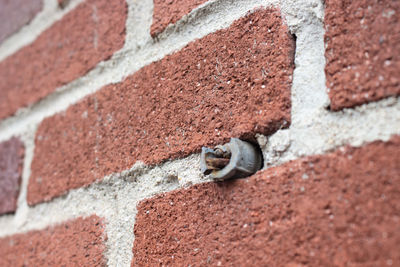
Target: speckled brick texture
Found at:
x=338, y=209
x=362, y=51
x=16, y=13
x=167, y=12
x=74, y=243
x=11, y=163
x=234, y=82
x=88, y=34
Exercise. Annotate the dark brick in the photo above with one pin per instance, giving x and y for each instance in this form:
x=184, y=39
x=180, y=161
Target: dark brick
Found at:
x=338, y=209
x=16, y=13
x=362, y=53
x=235, y=82
x=11, y=163
x=170, y=11
x=63, y=3
x=75, y=243
x=88, y=34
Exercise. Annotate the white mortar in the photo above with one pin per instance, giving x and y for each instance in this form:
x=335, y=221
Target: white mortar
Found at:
x=138, y=51
x=115, y=199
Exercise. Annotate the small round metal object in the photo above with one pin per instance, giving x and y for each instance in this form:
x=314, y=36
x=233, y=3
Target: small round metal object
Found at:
x=236, y=159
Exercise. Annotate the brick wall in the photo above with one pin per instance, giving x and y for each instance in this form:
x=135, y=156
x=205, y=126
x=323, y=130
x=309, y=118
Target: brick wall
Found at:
x=105, y=106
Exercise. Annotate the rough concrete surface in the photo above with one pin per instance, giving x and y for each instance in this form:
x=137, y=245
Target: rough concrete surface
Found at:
x=313, y=130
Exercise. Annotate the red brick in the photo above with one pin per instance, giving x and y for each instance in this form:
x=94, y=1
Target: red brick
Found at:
x=11, y=162
x=16, y=13
x=90, y=33
x=75, y=243
x=170, y=11
x=338, y=209
x=362, y=51
x=235, y=82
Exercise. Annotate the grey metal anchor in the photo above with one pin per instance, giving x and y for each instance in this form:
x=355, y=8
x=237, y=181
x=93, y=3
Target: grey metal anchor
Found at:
x=236, y=159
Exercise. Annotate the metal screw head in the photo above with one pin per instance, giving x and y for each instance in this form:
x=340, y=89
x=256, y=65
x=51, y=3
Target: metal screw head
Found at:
x=236, y=159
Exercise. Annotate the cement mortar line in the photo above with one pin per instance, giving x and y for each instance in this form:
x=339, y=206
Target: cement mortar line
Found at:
x=142, y=181
x=49, y=14
x=140, y=49
x=28, y=134
x=328, y=131
x=28, y=138
x=29, y=155
x=115, y=198
x=28, y=218
x=314, y=129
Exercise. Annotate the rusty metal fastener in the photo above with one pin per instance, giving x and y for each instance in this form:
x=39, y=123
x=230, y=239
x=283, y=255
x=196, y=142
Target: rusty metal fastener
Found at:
x=236, y=159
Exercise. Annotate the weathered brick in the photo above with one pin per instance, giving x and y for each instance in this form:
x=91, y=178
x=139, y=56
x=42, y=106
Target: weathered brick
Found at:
x=338, y=209
x=362, y=51
x=169, y=12
x=11, y=163
x=235, y=82
x=75, y=243
x=15, y=14
x=88, y=34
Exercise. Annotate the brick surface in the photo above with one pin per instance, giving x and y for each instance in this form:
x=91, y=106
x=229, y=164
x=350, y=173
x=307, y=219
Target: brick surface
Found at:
x=362, y=51
x=235, y=82
x=88, y=34
x=170, y=11
x=11, y=162
x=338, y=209
x=16, y=13
x=75, y=243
